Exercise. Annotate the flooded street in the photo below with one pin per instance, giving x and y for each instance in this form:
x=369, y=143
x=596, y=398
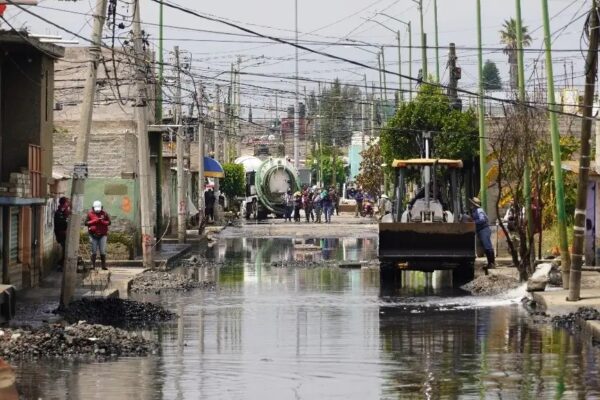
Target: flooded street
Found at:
x=272, y=332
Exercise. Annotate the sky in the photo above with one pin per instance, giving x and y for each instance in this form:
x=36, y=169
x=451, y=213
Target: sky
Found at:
x=323, y=24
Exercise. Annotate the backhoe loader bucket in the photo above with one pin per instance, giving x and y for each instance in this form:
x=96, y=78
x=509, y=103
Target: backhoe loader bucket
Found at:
x=426, y=246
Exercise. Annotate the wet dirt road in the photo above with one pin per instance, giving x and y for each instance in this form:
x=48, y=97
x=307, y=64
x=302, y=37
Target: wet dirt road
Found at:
x=273, y=332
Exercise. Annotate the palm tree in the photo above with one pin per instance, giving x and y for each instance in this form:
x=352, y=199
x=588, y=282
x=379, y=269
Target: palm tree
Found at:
x=508, y=37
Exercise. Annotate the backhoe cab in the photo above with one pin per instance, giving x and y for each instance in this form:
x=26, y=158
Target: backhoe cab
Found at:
x=427, y=231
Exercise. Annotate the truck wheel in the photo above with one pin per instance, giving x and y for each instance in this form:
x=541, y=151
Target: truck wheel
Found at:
x=261, y=214
x=463, y=274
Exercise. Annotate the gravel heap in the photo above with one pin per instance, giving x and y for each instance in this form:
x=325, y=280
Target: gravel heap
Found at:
x=573, y=321
x=116, y=312
x=490, y=285
x=154, y=281
x=80, y=340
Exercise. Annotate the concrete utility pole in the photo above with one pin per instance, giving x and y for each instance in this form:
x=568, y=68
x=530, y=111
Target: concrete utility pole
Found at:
x=334, y=169
x=556, y=153
x=482, y=140
x=297, y=105
x=180, y=150
x=81, y=156
x=380, y=76
x=591, y=69
x=454, y=76
x=384, y=74
x=141, y=113
x=423, y=41
x=437, y=45
x=200, y=152
x=216, y=133
x=400, y=67
x=522, y=99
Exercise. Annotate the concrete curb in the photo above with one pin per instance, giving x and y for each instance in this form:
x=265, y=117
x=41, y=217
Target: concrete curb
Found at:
x=594, y=328
x=554, y=303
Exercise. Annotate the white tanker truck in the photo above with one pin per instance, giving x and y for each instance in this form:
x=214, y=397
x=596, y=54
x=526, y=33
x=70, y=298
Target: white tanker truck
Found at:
x=266, y=184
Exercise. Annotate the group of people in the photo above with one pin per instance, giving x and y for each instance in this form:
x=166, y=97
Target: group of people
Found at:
x=97, y=222
x=317, y=204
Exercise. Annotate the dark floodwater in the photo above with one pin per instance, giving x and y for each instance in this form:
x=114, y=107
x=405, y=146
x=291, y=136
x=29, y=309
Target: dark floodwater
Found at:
x=326, y=333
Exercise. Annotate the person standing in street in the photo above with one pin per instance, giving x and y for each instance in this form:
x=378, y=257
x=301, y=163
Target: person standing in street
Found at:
x=359, y=197
x=318, y=205
x=484, y=232
x=327, y=205
x=97, y=222
x=61, y=222
x=289, y=205
x=307, y=200
x=297, y=206
x=384, y=206
x=209, y=204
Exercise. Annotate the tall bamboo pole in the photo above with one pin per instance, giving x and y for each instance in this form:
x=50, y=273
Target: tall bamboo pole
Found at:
x=482, y=138
x=556, y=154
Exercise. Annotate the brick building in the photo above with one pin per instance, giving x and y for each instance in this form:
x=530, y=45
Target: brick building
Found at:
x=26, y=128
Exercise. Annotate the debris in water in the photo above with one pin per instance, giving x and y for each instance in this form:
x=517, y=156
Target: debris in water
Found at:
x=153, y=281
x=116, y=312
x=489, y=285
x=80, y=340
x=573, y=322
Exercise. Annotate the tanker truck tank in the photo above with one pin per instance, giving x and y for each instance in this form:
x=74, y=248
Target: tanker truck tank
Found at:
x=266, y=185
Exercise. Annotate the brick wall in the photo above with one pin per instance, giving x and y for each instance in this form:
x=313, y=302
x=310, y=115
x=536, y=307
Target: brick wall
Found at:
x=112, y=151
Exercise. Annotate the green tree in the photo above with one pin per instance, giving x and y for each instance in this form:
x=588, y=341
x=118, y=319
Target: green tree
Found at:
x=339, y=113
x=491, y=76
x=370, y=177
x=315, y=160
x=234, y=182
x=508, y=37
x=456, y=132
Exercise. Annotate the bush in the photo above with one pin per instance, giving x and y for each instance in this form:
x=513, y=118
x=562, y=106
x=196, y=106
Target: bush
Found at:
x=234, y=182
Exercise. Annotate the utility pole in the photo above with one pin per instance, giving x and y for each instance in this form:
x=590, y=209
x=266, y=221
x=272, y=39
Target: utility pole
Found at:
x=556, y=153
x=423, y=41
x=384, y=74
x=372, y=112
x=297, y=105
x=399, y=68
x=200, y=153
x=142, y=142
x=334, y=169
x=320, y=141
x=160, y=64
x=454, y=73
x=437, y=45
x=591, y=69
x=522, y=99
x=482, y=140
x=217, y=128
x=81, y=155
x=380, y=76
x=180, y=150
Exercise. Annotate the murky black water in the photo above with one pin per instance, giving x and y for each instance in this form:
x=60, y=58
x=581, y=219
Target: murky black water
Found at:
x=325, y=333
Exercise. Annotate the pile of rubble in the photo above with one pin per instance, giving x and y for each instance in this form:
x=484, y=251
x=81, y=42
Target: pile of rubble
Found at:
x=154, y=281
x=491, y=285
x=80, y=340
x=116, y=312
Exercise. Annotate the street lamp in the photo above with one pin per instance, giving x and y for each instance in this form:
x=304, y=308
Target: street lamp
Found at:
x=399, y=56
x=408, y=24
